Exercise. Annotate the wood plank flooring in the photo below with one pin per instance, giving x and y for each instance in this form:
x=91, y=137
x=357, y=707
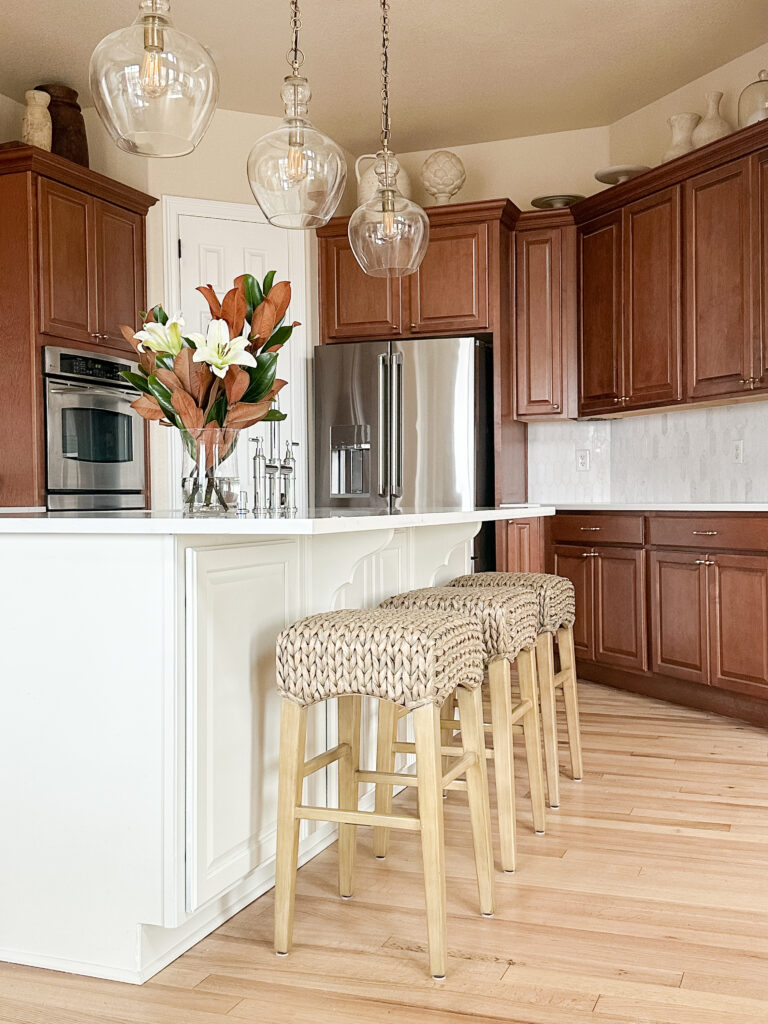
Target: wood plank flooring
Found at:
x=645, y=903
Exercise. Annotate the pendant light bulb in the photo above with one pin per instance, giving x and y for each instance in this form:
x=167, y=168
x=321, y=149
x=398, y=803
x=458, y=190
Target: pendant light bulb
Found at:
x=155, y=88
x=296, y=173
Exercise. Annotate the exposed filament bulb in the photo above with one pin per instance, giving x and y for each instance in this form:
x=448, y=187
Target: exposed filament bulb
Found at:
x=154, y=73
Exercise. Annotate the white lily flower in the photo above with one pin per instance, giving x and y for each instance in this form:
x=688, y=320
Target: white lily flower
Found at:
x=220, y=351
x=162, y=338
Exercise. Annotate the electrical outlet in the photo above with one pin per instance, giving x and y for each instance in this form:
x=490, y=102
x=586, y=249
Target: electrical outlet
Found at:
x=738, y=452
x=582, y=459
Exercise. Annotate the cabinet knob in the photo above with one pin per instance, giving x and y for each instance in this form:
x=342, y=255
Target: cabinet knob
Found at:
x=556, y=408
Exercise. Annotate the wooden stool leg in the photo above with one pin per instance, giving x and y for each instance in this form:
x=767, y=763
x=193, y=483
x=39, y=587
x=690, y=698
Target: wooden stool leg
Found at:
x=293, y=732
x=349, y=732
x=447, y=734
x=385, y=762
x=500, y=686
x=526, y=665
x=571, y=698
x=473, y=739
x=545, y=663
x=426, y=724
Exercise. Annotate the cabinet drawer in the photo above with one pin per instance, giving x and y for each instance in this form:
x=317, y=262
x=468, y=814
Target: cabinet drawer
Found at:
x=594, y=529
x=710, y=532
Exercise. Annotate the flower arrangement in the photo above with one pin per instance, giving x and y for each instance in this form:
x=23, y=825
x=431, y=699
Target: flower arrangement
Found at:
x=212, y=386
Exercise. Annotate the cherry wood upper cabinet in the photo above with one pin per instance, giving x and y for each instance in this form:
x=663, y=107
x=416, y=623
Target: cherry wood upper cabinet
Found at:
x=760, y=269
x=354, y=304
x=120, y=269
x=545, y=301
x=718, y=270
x=67, y=263
x=679, y=617
x=449, y=291
x=738, y=623
x=652, y=339
x=601, y=375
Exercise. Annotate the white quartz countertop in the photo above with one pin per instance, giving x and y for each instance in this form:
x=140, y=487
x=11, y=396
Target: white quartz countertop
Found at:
x=311, y=522
x=669, y=506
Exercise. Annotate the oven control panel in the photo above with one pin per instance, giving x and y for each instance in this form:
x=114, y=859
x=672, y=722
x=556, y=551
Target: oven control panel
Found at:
x=62, y=362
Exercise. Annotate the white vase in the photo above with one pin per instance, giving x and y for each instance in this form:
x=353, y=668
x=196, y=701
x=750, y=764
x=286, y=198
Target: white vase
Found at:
x=713, y=126
x=367, y=182
x=36, y=129
x=682, y=126
x=443, y=175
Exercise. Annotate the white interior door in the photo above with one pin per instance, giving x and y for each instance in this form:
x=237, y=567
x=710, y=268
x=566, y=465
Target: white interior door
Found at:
x=213, y=243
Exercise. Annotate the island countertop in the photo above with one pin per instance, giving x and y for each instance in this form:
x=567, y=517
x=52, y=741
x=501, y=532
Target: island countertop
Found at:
x=311, y=522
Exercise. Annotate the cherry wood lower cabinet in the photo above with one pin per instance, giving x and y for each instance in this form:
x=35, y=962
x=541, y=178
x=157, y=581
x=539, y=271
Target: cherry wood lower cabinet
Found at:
x=575, y=563
x=524, y=546
x=678, y=582
x=738, y=622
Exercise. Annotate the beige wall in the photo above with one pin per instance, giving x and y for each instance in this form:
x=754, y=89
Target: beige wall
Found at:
x=11, y=114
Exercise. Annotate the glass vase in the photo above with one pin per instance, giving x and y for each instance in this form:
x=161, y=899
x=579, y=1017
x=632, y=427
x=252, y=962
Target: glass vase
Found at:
x=210, y=483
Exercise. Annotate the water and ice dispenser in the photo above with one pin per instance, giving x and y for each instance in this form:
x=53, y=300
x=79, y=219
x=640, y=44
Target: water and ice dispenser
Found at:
x=350, y=461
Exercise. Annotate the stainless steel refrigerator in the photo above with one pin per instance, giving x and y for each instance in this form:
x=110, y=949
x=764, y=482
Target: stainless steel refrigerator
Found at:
x=405, y=426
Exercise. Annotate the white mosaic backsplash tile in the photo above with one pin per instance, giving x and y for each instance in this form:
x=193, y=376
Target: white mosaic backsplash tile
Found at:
x=686, y=455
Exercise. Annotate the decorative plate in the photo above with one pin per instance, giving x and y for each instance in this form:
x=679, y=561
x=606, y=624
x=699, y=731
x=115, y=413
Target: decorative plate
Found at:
x=615, y=175
x=554, y=202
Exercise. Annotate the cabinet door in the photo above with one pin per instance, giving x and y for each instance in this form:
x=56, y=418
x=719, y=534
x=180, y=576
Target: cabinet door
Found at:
x=679, y=624
x=718, y=314
x=621, y=636
x=67, y=263
x=449, y=291
x=601, y=380
x=545, y=336
x=760, y=270
x=576, y=564
x=738, y=617
x=120, y=270
x=652, y=308
x=355, y=305
x=524, y=546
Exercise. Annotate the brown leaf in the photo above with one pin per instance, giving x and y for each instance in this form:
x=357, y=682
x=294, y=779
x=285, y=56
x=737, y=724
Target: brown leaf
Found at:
x=264, y=320
x=201, y=378
x=169, y=378
x=277, y=387
x=150, y=316
x=190, y=413
x=128, y=333
x=245, y=414
x=148, y=362
x=236, y=384
x=148, y=407
x=233, y=310
x=280, y=297
x=206, y=290
x=182, y=367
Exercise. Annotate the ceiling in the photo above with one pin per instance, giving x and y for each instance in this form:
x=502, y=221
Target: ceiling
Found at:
x=462, y=70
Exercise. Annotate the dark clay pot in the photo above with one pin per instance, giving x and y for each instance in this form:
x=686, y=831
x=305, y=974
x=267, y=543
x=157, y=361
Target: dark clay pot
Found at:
x=69, y=139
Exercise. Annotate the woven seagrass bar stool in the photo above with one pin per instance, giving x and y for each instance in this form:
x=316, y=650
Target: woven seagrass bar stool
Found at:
x=410, y=660
x=508, y=620
x=557, y=613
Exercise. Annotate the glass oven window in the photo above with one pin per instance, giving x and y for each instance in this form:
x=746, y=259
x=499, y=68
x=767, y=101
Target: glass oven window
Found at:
x=96, y=435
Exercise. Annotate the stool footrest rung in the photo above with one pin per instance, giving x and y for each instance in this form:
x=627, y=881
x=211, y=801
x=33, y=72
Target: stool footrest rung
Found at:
x=561, y=677
x=388, y=778
x=469, y=759
x=345, y=817
x=410, y=748
x=327, y=757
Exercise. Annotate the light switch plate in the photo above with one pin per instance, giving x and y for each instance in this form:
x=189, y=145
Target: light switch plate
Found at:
x=738, y=452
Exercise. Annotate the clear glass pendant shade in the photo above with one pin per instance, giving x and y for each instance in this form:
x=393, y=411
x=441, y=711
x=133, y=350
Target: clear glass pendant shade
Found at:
x=389, y=233
x=155, y=88
x=296, y=173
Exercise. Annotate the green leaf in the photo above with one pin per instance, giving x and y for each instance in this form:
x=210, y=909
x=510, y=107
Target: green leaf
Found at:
x=275, y=416
x=268, y=281
x=163, y=395
x=136, y=380
x=161, y=317
x=253, y=296
x=218, y=410
x=278, y=337
x=262, y=377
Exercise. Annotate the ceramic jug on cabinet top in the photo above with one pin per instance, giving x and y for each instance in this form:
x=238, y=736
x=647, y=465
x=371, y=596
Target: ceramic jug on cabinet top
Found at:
x=682, y=126
x=367, y=182
x=36, y=128
x=713, y=126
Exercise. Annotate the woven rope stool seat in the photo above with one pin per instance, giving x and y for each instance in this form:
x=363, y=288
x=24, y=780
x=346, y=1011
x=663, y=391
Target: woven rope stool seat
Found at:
x=555, y=594
x=411, y=661
x=557, y=614
x=509, y=619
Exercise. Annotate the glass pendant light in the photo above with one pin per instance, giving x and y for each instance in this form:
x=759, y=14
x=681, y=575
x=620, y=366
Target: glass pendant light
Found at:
x=155, y=88
x=389, y=233
x=296, y=173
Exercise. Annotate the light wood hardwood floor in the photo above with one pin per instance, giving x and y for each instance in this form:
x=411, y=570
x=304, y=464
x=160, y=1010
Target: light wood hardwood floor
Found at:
x=645, y=903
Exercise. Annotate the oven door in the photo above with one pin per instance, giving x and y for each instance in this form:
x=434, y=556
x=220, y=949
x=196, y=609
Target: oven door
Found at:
x=95, y=439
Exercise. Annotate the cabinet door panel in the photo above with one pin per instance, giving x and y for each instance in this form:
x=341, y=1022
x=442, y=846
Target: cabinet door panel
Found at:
x=120, y=269
x=601, y=380
x=620, y=626
x=354, y=304
x=449, y=291
x=652, y=315
x=67, y=265
x=738, y=603
x=718, y=315
x=679, y=626
x=760, y=270
x=524, y=546
x=576, y=564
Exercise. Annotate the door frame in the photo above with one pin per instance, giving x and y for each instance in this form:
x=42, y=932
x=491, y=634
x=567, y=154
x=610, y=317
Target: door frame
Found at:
x=302, y=260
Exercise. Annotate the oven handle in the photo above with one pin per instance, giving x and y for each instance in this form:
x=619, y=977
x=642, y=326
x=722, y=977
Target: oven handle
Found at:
x=127, y=396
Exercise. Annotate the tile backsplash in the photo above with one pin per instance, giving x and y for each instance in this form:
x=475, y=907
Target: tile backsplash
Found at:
x=687, y=455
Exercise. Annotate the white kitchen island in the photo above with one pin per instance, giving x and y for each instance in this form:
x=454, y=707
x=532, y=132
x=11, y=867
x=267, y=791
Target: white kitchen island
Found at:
x=139, y=727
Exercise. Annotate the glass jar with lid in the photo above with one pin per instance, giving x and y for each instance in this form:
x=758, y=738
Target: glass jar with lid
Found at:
x=753, y=102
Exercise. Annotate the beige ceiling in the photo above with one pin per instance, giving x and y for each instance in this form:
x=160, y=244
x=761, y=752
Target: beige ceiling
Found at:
x=462, y=70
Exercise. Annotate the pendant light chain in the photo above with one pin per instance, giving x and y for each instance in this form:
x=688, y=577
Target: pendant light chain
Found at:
x=385, y=75
x=295, y=56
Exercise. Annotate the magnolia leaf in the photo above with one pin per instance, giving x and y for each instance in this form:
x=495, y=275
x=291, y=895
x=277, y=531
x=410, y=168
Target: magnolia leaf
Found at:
x=169, y=378
x=201, y=378
x=128, y=333
x=280, y=296
x=158, y=315
x=263, y=322
x=148, y=407
x=190, y=413
x=148, y=362
x=136, y=380
x=268, y=282
x=233, y=310
x=275, y=416
x=245, y=414
x=277, y=387
x=252, y=292
x=182, y=367
x=262, y=376
x=206, y=290
x=236, y=383
x=163, y=395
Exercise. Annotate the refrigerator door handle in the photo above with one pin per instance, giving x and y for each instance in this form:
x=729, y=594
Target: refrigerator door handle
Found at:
x=396, y=461
x=383, y=419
